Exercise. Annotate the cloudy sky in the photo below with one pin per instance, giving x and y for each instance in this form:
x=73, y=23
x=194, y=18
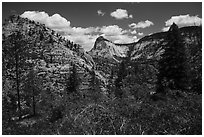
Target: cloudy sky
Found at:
x=122, y=22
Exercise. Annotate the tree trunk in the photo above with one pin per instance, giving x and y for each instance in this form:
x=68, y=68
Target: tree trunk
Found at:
x=33, y=104
x=17, y=86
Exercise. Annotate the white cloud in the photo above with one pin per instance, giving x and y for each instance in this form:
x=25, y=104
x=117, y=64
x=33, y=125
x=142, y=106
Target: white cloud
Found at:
x=130, y=16
x=132, y=25
x=86, y=41
x=55, y=21
x=184, y=20
x=112, y=30
x=135, y=38
x=140, y=33
x=80, y=30
x=120, y=14
x=133, y=32
x=141, y=24
x=116, y=34
x=99, y=12
x=149, y=34
x=83, y=36
x=123, y=39
x=165, y=29
x=79, y=35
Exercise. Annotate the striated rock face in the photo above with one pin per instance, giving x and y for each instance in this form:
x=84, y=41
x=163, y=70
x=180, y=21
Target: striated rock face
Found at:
x=84, y=55
x=151, y=47
x=147, y=52
x=107, y=49
x=49, y=54
x=148, y=47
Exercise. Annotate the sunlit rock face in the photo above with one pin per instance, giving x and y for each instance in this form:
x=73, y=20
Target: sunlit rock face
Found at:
x=107, y=49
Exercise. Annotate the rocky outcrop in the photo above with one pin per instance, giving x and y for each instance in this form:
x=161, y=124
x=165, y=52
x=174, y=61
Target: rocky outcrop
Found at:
x=53, y=56
x=109, y=50
x=148, y=50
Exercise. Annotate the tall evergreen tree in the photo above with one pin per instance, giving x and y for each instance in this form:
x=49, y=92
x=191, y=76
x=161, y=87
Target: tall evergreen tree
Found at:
x=14, y=60
x=32, y=87
x=110, y=81
x=120, y=76
x=72, y=81
x=196, y=62
x=172, y=71
x=94, y=87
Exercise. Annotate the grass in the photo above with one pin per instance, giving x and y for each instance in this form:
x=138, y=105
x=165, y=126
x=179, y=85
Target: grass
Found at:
x=175, y=116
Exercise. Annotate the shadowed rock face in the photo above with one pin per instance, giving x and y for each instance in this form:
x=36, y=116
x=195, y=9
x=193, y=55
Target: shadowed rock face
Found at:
x=89, y=60
x=148, y=51
x=148, y=47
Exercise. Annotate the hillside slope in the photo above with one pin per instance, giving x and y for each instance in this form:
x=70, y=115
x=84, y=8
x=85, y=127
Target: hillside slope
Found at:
x=31, y=48
x=147, y=52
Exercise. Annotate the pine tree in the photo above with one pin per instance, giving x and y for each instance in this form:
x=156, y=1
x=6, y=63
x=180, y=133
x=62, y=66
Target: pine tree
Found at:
x=110, y=81
x=94, y=87
x=41, y=36
x=51, y=40
x=196, y=62
x=172, y=72
x=31, y=87
x=72, y=81
x=120, y=76
x=15, y=54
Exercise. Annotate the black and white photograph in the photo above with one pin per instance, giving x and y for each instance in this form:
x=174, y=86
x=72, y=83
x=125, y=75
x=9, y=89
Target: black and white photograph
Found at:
x=101, y=68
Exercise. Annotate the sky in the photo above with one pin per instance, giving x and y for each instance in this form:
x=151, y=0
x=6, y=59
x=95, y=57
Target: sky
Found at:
x=120, y=22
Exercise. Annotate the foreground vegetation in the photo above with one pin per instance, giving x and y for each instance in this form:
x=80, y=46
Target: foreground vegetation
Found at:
x=173, y=116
